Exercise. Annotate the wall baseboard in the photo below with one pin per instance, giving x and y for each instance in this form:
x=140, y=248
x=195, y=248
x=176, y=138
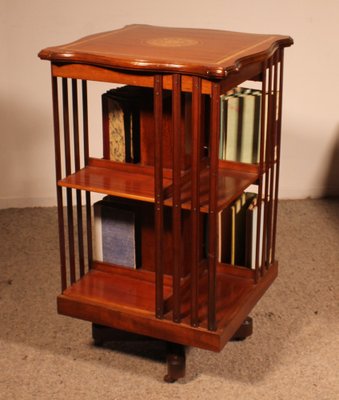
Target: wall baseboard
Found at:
x=27, y=202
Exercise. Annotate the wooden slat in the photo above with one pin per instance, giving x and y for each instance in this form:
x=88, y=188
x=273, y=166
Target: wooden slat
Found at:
x=68, y=172
x=280, y=89
x=269, y=137
x=57, y=150
x=261, y=169
x=158, y=194
x=77, y=168
x=86, y=160
x=176, y=208
x=213, y=205
x=273, y=163
x=65, y=109
x=76, y=124
x=85, y=121
x=195, y=198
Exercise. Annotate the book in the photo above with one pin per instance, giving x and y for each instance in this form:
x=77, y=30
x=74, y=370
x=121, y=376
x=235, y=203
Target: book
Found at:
x=121, y=124
x=232, y=231
x=240, y=126
x=229, y=127
x=224, y=121
x=250, y=127
x=97, y=232
x=115, y=234
x=225, y=235
x=251, y=233
x=117, y=143
x=239, y=227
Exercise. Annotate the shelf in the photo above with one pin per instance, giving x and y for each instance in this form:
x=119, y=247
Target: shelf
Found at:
x=126, y=301
x=129, y=291
x=231, y=183
x=128, y=184
x=137, y=182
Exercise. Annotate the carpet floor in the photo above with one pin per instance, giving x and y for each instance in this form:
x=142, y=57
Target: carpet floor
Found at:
x=292, y=354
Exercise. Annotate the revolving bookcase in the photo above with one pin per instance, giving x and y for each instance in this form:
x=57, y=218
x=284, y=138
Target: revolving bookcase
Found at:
x=181, y=292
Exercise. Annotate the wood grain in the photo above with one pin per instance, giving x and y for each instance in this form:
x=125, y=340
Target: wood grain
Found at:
x=127, y=303
x=205, y=52
x=113, y=182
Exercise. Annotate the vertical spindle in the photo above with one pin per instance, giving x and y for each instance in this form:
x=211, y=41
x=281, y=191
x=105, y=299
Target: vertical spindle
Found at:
x=195, y=198
x=57, y=150
x=77, y=168
x=268, y=156
x=176, y=209
x=86, y=160
x=272, y=203
x=262, y=161
x=158, y=192
x=68, y=172
x=277, y=170
x=213, y=205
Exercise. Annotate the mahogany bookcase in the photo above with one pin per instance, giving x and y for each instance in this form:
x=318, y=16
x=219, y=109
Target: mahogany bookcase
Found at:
x=182, y=294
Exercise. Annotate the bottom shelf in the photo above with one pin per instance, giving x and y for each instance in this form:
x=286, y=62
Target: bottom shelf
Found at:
x=126, y=301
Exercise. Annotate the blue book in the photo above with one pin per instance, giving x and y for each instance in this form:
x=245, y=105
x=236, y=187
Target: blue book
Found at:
x=114, y=230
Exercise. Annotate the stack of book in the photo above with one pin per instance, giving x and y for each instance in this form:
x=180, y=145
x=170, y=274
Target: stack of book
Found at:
x=240, y=125
x=238, y=232
x=128, y=126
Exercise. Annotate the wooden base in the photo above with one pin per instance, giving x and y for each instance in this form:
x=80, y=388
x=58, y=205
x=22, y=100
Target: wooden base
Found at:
x=124, y=299
x=175, y=353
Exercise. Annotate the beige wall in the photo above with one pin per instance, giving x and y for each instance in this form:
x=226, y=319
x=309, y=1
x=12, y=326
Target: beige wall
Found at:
x=311, y=107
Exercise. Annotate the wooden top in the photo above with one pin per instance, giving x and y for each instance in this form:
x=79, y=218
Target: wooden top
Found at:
x=204, y=52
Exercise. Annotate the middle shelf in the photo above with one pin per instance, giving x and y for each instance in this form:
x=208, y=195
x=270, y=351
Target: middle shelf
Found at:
x=137, y=182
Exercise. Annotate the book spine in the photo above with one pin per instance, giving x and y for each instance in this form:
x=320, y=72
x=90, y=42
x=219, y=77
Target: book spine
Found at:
x=97, y=232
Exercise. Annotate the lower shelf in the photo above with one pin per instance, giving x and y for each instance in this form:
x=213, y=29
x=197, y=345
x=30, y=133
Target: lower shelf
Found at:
x=126, y=302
